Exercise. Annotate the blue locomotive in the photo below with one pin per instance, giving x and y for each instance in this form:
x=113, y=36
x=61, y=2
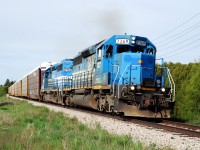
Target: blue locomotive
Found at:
x=55, y=79
x=119, y=75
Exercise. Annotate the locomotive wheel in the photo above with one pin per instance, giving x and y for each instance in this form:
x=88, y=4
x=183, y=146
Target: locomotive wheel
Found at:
x=112, y=111
x=41, y=98
x=100, y=107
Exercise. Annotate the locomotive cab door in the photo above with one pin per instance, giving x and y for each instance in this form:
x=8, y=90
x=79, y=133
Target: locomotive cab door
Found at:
x=103, y=65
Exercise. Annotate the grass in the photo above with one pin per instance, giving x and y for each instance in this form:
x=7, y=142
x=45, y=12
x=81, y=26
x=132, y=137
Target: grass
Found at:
x=24, y=126
x=193, y=119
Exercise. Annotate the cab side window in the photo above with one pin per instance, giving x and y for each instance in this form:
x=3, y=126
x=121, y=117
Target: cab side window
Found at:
x=150, y=50
x=99, y=54
x=109, y=50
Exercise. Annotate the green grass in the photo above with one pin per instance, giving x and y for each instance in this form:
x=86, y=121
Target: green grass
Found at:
x=24, y=126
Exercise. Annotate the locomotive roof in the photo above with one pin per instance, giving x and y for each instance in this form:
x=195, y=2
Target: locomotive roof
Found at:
x=91, y=49
x=147, y=40
x=59, y=63
x=136, y=37
x=67, y=59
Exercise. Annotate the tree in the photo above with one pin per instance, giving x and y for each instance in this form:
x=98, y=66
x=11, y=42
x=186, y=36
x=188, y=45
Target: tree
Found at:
x=7, y=83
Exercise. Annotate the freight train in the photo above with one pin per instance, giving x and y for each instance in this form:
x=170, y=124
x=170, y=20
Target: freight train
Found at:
x=117, y=75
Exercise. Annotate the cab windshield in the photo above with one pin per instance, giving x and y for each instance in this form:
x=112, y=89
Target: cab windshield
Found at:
x=136, y=49
x=128, y=48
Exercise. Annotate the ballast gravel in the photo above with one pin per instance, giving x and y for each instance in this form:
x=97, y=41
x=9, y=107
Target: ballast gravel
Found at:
x=148, y=136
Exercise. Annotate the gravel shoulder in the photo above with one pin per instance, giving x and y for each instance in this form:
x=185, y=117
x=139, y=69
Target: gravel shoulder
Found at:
x=160, y=138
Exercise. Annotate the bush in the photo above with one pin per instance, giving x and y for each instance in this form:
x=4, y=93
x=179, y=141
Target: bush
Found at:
x=187, y=80
x=3, y=90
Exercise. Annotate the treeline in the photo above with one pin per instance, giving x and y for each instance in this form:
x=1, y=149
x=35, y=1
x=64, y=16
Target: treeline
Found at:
x=187, y=80
x=9, y=83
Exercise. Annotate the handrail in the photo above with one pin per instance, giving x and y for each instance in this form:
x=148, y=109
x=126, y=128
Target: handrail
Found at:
x=123, y=75
x=174, y=90
x=115, y=78
x=171, y=81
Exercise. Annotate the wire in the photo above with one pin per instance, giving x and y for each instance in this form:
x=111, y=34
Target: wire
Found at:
x=177, y=26
x=180, y=42
x=181, y=47
x=198, y=24
x=182, y=51
x=179, y=36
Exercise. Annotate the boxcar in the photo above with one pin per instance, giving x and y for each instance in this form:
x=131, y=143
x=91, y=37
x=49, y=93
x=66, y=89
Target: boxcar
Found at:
x=9, y=90
x=34, y=84
x=25, y=86
x=34, y=80
x=13, y=90
x=18, y=88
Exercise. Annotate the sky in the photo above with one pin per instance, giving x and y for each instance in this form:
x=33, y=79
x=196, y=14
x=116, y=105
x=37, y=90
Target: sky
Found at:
x=36, y=31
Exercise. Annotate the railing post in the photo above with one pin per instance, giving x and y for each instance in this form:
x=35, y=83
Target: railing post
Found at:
x=115, y=78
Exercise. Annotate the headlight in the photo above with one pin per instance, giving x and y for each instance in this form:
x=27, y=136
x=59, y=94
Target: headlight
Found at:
x=163, y=89
x=133, y=38
x=132, y=88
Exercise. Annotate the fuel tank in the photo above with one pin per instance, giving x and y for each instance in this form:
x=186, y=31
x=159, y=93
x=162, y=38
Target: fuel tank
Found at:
x=87, y=101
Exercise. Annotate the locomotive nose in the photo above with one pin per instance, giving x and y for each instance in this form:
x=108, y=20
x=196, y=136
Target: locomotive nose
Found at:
x=137, y=69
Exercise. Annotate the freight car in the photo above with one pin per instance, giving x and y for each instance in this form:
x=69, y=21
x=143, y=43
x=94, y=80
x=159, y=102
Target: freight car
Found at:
x=117, y=75
x=29, y=86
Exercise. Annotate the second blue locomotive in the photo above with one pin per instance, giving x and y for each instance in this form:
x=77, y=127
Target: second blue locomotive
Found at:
x=119, y=75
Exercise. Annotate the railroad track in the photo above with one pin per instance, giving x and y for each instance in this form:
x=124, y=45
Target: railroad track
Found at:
x=181, y=125
x=183, y=129
x=166, y=125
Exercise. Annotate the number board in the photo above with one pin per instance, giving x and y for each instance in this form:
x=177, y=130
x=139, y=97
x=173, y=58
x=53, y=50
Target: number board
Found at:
x=122, y=41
